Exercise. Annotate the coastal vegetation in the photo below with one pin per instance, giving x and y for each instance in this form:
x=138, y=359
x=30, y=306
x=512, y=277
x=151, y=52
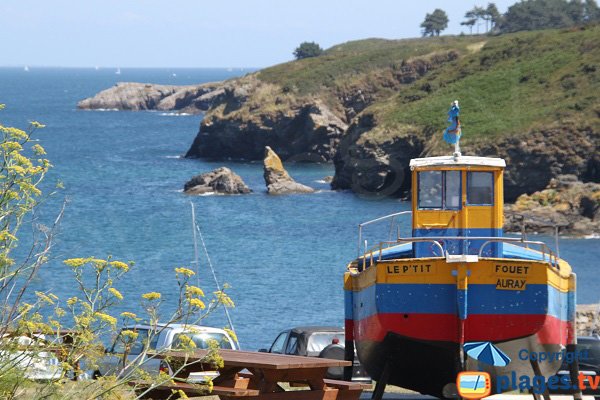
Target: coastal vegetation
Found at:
x=435, y=23
x=64, y=337
x=307, y=49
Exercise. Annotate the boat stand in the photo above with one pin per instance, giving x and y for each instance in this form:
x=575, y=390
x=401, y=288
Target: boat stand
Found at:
x=537, y=372
x=574, y=372
x=382, y=382
x=349, y=356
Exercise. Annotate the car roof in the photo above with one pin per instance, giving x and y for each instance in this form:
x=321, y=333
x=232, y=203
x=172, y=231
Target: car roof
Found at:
x=314, y=329
x=178, y=327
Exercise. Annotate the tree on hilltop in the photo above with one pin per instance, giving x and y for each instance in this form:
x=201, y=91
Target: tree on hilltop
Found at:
x=435, y=23
x=490, y=15
x=545, y=14
x=307, y=49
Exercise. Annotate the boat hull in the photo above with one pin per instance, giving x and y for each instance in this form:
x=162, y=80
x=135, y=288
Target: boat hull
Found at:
x=416, y=321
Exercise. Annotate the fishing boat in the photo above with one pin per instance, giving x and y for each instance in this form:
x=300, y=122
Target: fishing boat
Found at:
x=418, y=303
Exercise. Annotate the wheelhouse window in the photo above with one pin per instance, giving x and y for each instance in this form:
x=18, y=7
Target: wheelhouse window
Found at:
x=480, y=188
x=439, y=190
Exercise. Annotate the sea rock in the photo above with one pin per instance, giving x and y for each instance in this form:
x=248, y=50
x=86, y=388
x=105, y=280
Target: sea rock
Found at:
x=221, y=180
x=277, y=179
x=135, y=96
x=566, y=203
x=588, y=319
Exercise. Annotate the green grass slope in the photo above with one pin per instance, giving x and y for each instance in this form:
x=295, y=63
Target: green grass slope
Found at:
x=357, y=62
x=516, y=83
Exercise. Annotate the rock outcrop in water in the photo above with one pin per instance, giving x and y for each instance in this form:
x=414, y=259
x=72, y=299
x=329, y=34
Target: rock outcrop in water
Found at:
x=588, y=319
x=277, y=179
x=133, y=96
x=221, y=180
x=571, y=205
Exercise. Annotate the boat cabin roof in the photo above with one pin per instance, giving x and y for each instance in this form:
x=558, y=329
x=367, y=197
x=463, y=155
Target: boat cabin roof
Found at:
x=451, y=161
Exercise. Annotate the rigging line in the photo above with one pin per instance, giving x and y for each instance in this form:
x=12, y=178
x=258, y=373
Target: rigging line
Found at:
x=196, y=258
x=212, y=270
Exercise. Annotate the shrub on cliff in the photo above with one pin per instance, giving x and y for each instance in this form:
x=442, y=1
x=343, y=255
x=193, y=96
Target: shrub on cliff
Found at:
x=307, y=49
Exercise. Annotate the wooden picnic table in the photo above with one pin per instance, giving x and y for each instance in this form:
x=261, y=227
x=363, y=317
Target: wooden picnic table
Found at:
x=266, y=372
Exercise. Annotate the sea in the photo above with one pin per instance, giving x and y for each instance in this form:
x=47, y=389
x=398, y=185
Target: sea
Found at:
x=283, y=257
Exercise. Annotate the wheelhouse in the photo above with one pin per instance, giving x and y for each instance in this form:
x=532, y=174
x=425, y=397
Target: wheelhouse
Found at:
x=458, y=198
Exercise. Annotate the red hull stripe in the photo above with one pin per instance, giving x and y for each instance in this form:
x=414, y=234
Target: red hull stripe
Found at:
x=478, y=327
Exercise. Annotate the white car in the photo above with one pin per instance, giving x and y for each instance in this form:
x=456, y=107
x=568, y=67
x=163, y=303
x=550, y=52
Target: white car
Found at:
x=157, y=339
x=27, y=355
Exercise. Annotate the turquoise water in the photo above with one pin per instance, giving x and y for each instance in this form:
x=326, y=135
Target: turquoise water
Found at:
x=283, y=256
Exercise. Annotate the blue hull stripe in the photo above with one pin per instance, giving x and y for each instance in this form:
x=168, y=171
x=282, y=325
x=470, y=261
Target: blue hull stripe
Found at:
x=441, y=299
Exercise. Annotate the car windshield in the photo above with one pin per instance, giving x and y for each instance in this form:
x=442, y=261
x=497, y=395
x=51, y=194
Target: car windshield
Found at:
x=134, y=340
x=593, y=352
x=319, y=340
x=201, y=340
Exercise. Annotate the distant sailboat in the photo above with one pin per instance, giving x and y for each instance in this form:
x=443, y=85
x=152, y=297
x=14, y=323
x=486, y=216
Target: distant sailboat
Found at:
x=26, y=69
x=96, y=68
x=118, y=71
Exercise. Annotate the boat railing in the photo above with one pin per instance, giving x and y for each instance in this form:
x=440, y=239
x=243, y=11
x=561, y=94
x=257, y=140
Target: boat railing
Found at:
x=439, y=242
x=394, y=227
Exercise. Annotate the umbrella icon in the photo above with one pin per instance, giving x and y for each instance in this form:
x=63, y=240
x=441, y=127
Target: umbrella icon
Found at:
x=487, y=353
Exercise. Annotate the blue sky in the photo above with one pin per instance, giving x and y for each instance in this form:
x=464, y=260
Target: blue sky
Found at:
x=198, y=33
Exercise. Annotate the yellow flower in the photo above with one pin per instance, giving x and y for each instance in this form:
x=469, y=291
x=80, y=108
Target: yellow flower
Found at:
x=127, y=314
x=231, y=333
x=11, y=146
x=38, y=150
x=224, y=299
x=43, y=297
x=115, y=293
x=36, y=124
x=129, y=335
x=71, y=302
x=184, y=271
x=6, y=235
x=76, y=262
x=197, y=303
x=193, y=291
x=106, y=318
x=120, y=265
x=151, y=296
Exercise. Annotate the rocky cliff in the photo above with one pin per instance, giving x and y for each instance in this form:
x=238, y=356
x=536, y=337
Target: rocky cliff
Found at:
x=134, y=96
x=372, y=105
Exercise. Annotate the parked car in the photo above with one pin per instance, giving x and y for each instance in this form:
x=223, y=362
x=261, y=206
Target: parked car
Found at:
x=29, y=356
x=588, y=366
x=317, y=341
x=160, y=338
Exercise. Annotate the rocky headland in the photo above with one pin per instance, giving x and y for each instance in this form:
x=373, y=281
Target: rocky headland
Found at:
x=372, y=105
x=132, y=96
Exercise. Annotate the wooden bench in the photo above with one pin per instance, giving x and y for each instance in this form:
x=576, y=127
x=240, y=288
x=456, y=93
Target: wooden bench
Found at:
x=347, y=390
x=165, y=390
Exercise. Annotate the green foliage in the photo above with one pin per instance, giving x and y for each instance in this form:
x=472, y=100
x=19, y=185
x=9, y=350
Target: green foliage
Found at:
x=68, y=331
x=490, y=15
x=307, y=49
x=544, y=14
x=356, y=63
x=435, y=23
x=515, y=83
